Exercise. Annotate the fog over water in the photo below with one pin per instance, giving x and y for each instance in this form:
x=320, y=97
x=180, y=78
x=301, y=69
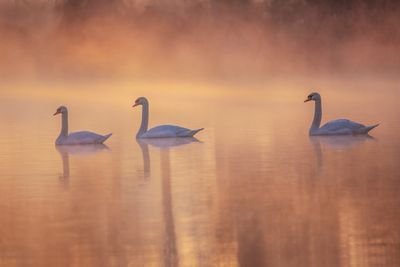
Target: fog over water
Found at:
x=253, y=189
x=85, y=39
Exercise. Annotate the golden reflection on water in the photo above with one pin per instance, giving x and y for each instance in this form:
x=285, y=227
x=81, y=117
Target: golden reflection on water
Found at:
x=253, y=190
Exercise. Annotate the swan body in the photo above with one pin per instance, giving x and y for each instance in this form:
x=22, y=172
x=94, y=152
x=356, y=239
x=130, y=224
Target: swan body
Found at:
x=344, y=127
x=76, y=138
x=171, y=131
x=162, y=131
x=335, y=127
x=82, y=138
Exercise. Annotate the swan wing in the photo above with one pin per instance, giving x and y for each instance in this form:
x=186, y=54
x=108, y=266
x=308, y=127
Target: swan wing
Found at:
x=166, y=131
x=84, y=137
x=341, y=126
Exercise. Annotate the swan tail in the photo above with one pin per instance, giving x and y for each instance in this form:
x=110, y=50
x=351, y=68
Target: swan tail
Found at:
x=105, y=138
x=193, y=132
x=369, y=128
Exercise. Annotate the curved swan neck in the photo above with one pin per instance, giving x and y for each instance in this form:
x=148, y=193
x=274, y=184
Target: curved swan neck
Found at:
x=145, y=120
x=64, y=124
x=317, y=116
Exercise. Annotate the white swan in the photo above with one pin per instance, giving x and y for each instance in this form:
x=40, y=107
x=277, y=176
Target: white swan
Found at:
x=162, y=131
x=336, y=127
x=77, y=138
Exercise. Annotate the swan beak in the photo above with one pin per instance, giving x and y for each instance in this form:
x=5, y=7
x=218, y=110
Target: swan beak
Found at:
x=57, y=112
x=136, y=104
x=308, y=99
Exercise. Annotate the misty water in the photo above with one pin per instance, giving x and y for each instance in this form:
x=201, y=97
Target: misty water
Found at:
x=253, y=190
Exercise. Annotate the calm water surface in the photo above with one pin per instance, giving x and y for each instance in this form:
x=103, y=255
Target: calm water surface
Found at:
x=253, y=190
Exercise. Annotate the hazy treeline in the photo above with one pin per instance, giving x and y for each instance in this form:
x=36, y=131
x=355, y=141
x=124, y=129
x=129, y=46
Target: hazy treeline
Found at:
x=91, y=37
x=275, y=12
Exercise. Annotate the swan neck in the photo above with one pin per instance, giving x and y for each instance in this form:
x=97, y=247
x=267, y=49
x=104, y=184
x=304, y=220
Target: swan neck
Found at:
x=145, y=120
x=64, y=124
x=317, y=116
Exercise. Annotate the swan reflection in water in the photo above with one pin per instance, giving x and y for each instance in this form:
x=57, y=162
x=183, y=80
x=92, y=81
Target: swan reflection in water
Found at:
x=336, y=143
x=164, y=144
x=167, y=142
x=161, y=143
x=77, y=150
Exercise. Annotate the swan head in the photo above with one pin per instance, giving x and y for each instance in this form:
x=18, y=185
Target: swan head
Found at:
x=140, y=101
x=314, y=97
x=61, y=110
